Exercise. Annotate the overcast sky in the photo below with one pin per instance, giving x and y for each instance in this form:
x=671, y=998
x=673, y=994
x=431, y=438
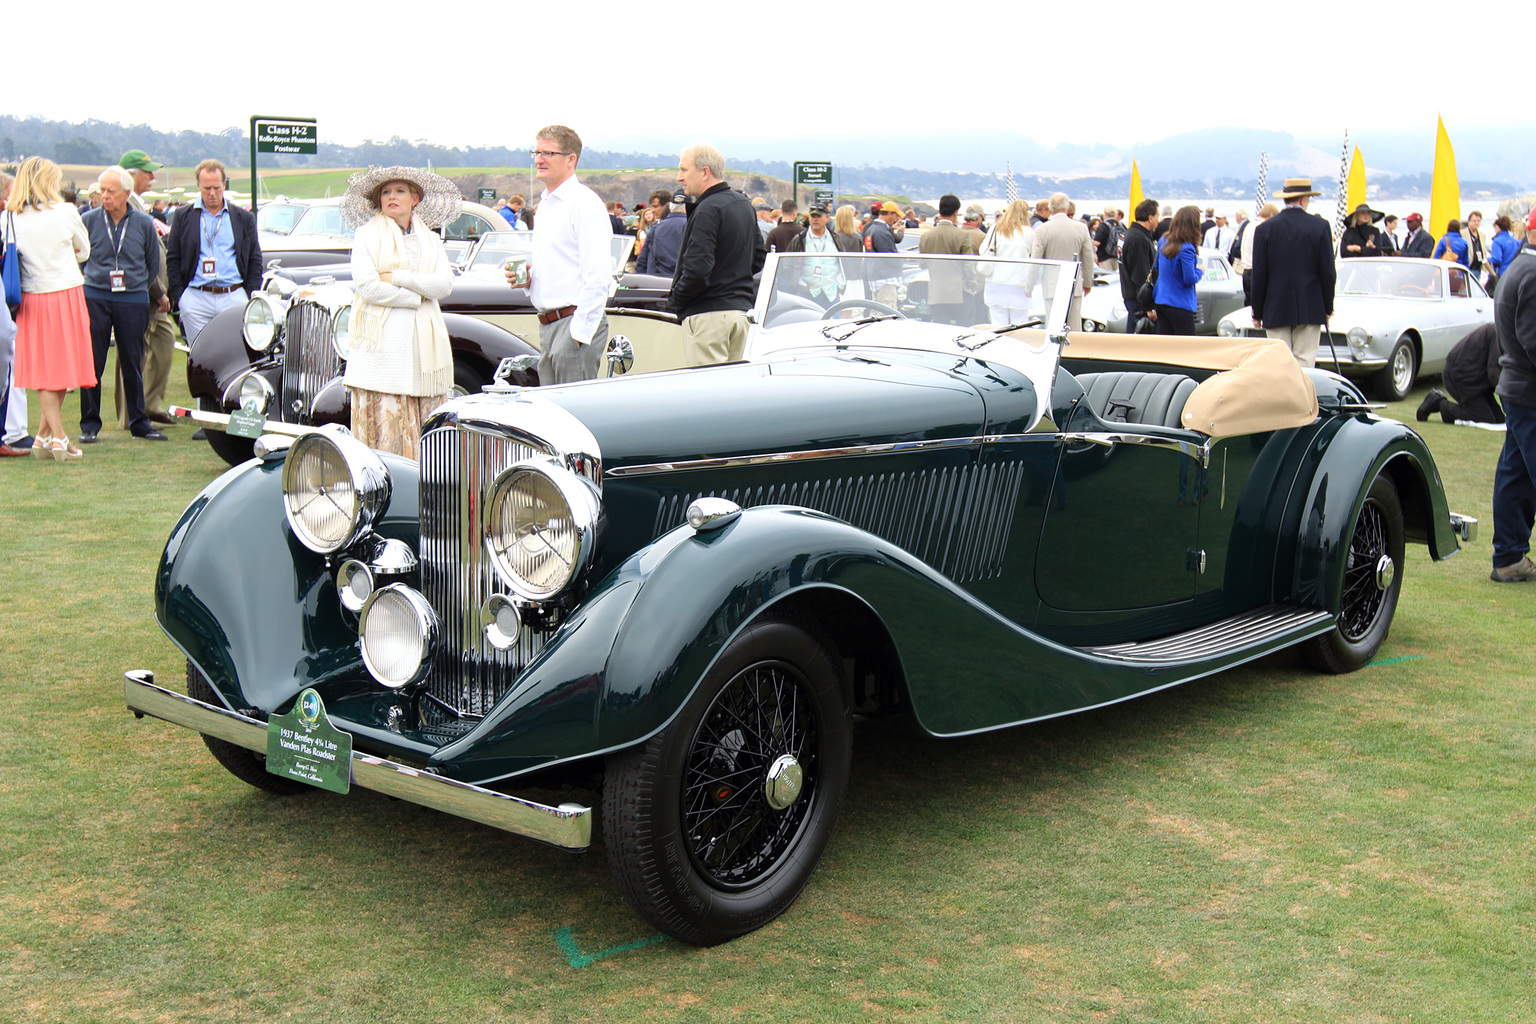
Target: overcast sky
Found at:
x=763, y=86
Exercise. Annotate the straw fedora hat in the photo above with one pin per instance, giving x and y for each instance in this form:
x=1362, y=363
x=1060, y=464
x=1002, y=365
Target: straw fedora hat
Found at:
x=440, y=198
x=1296, y=188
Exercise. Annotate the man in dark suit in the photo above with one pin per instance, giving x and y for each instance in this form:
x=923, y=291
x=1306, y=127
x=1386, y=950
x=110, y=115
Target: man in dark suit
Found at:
x=1419, y=243
x=1293, y=273
x=212, y=256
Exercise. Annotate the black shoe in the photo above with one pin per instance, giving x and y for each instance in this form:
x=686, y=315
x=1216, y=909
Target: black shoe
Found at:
x=87, y=437
x=1430, y=404
x=152, y=435
x=23, y=442
x=201, y=435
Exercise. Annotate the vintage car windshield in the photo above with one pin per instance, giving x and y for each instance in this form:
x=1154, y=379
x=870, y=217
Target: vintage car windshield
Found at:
x=322, y=220
x=1419, y=280
x=278, y=218
x=496, y=247
x=844, y=290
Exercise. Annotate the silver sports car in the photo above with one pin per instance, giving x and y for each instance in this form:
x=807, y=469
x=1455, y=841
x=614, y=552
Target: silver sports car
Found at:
x=1219, y=292
x=1393, y=319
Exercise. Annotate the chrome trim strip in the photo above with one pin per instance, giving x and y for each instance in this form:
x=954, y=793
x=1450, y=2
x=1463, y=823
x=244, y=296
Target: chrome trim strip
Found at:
x=220, y=421
x=1464, y=527
x=730, y=462
x=1239, y=631
x=568, y=826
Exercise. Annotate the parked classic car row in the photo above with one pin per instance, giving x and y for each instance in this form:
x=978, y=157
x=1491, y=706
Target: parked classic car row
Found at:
x=679, y=590
x=1219, y=292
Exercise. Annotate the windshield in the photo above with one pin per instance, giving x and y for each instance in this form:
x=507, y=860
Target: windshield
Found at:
x=962, y=291
x=278, y=218
x=322, y=220
x=1418, y=280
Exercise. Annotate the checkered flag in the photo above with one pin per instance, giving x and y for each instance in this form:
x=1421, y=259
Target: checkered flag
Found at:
x=1263, y=193
x=1341, y=215
x=1013, y=186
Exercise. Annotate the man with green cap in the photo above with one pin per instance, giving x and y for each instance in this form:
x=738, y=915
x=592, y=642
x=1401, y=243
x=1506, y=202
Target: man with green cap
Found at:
x=160, y=336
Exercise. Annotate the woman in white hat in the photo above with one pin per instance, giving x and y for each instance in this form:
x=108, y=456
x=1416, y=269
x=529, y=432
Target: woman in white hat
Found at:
x=399, y=365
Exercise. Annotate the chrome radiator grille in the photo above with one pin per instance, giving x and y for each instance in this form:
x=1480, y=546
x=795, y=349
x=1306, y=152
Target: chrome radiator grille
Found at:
x=956, y=519
x=457, y=468
x=309, y=359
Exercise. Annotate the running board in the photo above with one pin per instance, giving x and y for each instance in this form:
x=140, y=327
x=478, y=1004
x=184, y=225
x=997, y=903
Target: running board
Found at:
x=1260, y=628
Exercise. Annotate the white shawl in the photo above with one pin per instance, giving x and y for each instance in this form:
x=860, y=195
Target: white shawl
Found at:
x=379, y=246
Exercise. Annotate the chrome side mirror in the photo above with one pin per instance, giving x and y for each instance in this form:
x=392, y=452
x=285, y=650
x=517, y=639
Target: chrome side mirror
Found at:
x=621, y=355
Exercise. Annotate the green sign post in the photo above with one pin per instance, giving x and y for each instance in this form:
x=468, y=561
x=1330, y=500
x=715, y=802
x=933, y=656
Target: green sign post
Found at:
x=271, y=134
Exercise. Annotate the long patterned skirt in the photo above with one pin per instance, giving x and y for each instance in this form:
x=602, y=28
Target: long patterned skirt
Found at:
x=391, y=423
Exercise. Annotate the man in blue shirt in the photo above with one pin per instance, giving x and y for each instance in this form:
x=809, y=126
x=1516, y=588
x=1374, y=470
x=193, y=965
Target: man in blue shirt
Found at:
x=213, y=255
x=121, y=290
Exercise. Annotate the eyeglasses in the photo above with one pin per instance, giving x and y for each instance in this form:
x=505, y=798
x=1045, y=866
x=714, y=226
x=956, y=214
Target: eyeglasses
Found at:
x=546, y=153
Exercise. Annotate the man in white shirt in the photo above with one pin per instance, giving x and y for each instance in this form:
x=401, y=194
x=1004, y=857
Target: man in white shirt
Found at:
x=1219, y=236
x=571, y=267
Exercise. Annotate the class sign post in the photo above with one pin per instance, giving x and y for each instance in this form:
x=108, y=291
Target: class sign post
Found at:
x=271, y=134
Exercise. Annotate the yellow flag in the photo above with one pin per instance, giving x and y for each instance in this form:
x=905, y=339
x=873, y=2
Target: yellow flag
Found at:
x=1136, y=196
x=1354, y=192
x=1444, y=189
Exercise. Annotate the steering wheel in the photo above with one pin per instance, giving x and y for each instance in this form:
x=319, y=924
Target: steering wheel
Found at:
x=869, y=304
x=1413, y=289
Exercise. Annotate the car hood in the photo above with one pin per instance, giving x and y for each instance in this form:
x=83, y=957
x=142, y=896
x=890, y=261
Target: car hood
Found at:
x=783, y=406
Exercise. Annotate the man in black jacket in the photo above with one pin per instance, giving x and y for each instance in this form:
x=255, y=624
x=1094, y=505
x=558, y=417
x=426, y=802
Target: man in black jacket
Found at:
x=213, y=258
x=722, y=252
x=1471, y=374
x=1137, y=255
x=1293, y=273
x=1514, y=478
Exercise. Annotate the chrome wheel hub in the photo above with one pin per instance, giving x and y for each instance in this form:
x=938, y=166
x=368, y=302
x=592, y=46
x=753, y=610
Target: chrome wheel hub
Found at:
x=784, y=781
x=1386, y=571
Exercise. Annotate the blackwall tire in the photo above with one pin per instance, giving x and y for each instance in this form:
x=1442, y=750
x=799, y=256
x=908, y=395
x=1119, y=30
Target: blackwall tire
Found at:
x=246, y=765
x=1366, y=606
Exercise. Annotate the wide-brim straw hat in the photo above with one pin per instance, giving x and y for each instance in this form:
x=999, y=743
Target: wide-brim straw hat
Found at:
x=440, y=198
x=1296, y=188
x=1376, y=215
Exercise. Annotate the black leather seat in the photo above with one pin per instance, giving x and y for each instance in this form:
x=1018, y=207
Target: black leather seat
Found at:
x=1132, y=396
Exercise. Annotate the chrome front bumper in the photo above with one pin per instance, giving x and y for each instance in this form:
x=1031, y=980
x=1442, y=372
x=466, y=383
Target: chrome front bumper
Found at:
x=1465, y=527
x=568, y=826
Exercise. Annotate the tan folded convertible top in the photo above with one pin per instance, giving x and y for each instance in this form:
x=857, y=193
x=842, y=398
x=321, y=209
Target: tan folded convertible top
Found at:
x=1261, y=386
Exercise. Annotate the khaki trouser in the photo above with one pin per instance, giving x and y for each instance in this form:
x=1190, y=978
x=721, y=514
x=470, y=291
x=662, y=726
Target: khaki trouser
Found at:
x=1303, y=339
x=159, y=350
x=716, y=337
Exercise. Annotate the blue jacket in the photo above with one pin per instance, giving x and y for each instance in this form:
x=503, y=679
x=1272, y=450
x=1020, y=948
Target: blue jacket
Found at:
x=1176, y=279
x=1458, y=246
x=1501, y=251
x=662, y=244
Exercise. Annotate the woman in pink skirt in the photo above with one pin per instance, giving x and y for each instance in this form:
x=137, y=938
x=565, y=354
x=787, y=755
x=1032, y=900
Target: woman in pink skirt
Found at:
x=53, y=331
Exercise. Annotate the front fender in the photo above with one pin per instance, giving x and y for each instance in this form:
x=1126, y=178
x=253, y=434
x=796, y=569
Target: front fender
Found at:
x=217, y=354
x=253, y=608
x=481, y=346
x=1347, y=455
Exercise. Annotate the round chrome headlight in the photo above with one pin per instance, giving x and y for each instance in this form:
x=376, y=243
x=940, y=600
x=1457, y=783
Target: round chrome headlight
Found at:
x=354, y=582
x=334, y=488
x=255, y=388
x=541, y=527
x=397, y=630
x=1359, y=340
x=261, y=324
x=341, y=331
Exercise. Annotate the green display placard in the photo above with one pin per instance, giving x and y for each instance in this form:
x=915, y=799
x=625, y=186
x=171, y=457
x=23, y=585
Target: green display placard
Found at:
x=813, y=174
x=287, y=137
x=246, y=421
x=486, y=195
x=304, y=745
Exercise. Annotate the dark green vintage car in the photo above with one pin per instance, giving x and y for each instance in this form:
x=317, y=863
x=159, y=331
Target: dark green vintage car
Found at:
x=680, y=588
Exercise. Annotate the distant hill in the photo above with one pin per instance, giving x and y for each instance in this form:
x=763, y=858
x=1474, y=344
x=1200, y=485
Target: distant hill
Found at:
x=1212, y=163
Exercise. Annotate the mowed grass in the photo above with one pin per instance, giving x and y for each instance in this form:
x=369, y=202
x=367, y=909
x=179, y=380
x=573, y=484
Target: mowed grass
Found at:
x=1266, y=845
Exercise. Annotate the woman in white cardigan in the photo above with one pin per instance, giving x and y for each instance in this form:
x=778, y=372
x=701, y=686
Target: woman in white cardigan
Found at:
x=399, y=364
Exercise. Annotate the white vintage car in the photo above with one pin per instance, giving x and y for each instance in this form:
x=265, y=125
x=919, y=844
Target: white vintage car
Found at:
x=1394, y=318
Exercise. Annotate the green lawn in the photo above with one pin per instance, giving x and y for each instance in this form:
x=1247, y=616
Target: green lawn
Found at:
x=1264, y=846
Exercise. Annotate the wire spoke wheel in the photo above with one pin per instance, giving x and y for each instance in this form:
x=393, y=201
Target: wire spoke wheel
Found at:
x=733, y=834
x=1372, y=580
x=715, y=824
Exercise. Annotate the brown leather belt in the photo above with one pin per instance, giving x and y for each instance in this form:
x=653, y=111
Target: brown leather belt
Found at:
x=556, y=314
x=216, y=289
